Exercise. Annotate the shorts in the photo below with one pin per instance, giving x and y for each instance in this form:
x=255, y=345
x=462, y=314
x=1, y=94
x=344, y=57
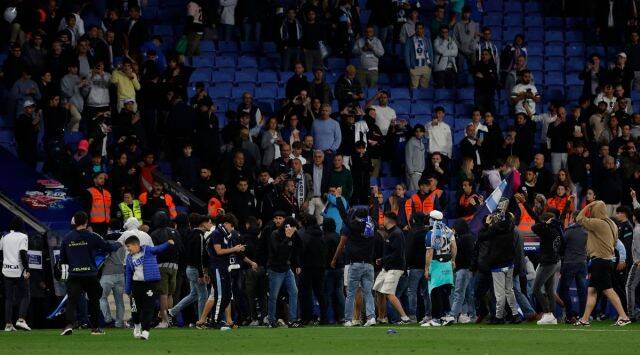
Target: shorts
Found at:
x=220, y=283
x=600, y=274
x=387, y=281
x=167, y=283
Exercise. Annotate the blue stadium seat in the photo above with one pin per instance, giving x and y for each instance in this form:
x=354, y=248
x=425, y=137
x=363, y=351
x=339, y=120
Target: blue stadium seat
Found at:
x=510, y=32
x=554, y=50
x=513, y=20
x=373, y=181
x=492, y=21
x=337, y=64
x=384, y=79
x=203, y=75
x=573, y=79
x=207, y=46
x=267, y=77
x=269, y=47
x=534, y=22
x=573, y=92
x=535, y=49
x=575, y=50
x=162, y=30
x=513, y=7
x=423, y=94
x=389, y=182
x=444, y=95
x=553, y=37
x=364, y=16
x=571, y=23
x=460, y=123
x=573, y=36
x=205, y=61
x=597, y=50
x=421, y=108
x=535, y=34
x=553, y=23
x=151, y=12
x=221, y=90
x=553, y=93
x=266, y=63
x=227, y=47
x=266, y=91
x=493, y=6
x=238, y=91
x=266, y=106
x=331, y=78
x=249, y=47
x=464, y=109
x=191, y=92
x=458, y=135
x=226, y=62
x=534, y=63
x=554, y=64
x=222, y=76
x=247, y=62
x=402, y=107
x=574, y=65
x=465, y=94
x=284, y=76
x=532, y=7
x=554, y=78
x=246, y=76
x=400, y=94
x=449, y=107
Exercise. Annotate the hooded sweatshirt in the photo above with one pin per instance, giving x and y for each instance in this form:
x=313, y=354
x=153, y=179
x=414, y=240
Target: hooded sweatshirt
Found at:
x=602, y=232
x=163, y=233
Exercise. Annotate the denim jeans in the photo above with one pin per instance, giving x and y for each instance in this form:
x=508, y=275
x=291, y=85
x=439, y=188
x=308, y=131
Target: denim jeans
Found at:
x=570, y=272
x=198, y=292
x=522, y=299
x=417, y=285
x=334, y=292
x=359, y=274
x=276, y=280
x=462, y=293
x=112, y=283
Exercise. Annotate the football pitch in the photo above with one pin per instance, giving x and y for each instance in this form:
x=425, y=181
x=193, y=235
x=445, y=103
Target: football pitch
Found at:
x=600, y=338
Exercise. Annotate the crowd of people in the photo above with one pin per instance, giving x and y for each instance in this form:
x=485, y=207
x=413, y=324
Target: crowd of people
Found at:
x=294, y=213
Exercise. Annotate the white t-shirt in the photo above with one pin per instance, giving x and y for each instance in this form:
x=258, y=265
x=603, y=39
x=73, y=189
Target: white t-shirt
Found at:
x=384, y=115
x=11, y=244
x=138, y=268
x=519, y=108
x=611, y=102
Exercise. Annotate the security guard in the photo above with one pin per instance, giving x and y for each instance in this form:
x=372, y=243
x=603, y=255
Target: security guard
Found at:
x=159, y=200
x=98, y=205
x=130, y=207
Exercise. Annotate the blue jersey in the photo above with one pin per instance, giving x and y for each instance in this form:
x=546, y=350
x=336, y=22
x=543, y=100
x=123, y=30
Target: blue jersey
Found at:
x=439, y=239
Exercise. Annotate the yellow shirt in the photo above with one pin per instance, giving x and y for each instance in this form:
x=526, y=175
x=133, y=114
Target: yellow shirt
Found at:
x=126, y=87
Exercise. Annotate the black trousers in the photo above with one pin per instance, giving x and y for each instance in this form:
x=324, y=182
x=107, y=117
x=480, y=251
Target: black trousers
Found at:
x=16, y=290
x=312, y=282
x=440, y=305
x=143, y=303
x=221, y=282
x=76, y=285
x=240, y=303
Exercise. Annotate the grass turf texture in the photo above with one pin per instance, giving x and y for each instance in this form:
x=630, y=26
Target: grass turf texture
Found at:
x=600, y=338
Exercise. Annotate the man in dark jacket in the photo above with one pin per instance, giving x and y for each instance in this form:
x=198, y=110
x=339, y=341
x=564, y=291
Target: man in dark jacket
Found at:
x=361, y=168
x=283, y=248
x=393, y=264
x=550, y=231
x=313, y=260
x=79, y=269
x=348, y=89
x=333, y=275
x=574, y=268
x=242, y=202
x=255, y=279
x=297, y=82
x=163, y=231
x=415, y=253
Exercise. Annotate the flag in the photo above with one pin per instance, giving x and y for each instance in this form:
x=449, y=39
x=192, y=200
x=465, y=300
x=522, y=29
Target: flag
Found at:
x=99, y=260
x=505, y=190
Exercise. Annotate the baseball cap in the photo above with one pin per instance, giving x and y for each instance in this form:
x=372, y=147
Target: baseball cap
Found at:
x=437, y=215
x=83, y=145
x=28, y=103
x=622, y=54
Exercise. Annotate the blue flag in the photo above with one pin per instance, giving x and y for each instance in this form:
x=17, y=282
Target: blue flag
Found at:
x=504, y=191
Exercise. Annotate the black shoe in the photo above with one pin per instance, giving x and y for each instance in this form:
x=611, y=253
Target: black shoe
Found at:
x=516, y=319
x=273, y=325
x=67, y=331
x=97, y=331
x=295, y=324
x=495, y=321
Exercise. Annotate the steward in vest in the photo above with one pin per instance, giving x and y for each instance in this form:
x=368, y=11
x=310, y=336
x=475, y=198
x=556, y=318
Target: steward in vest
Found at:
x=218, y=202
x=468, y=202
x=129, y=207
x=156, y=201
x=527, y=217
x=98, y=205
x=563, y=203
x=428, y=198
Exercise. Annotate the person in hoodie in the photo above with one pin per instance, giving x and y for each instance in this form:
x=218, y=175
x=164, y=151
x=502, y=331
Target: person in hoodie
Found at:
x=463, y=304
x=550, y=231
x=313, y=260
x=112, y=278
x=241, y=201
x=336, y=206
x=255, y=280
x=194, y=249
x=333, y=275
x=140, y=276
x=415, y=254
x=602, y=235
x=78, y=268
x=167, y=262
x=574, y=268
x=634, y=272
x=500, y=231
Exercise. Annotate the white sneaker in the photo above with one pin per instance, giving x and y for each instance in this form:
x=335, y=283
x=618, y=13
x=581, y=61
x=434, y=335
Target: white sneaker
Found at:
x=464, y=319
x=384, y=320
x=424, y=320
x=431, y=323
x=162, y=325
x=371, y=322
x=137, y=331
x=22, y=324
x=447, y=320
x=356, y=322
x=255, y=323
x=9, y=328
x=144, y=335
x=348, y=323
x=547, y=319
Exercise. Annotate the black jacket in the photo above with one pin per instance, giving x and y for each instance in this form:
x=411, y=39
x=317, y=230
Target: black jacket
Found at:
x=502, y=244
x=314, y=249
x=283, y=251
x=465, y=244
x=194, y=247
x=551, y=240
x=331, y=240
x=162, y=232
x=393, y=252
x=415, y=249
x=79, y=249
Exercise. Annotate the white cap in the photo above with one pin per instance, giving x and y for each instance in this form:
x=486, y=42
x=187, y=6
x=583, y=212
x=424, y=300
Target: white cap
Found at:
x=437, y=215
x=622, y=54
x=28, y=102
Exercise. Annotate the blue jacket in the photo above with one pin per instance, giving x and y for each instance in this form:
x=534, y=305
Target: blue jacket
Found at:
x=331, y=211
x=410, y=52
x=149, y=265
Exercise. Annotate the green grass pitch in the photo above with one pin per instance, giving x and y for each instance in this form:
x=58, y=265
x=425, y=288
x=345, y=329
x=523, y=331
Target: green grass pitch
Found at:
x=600, y=338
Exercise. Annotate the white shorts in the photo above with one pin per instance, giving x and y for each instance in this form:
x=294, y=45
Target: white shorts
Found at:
x=387, y=281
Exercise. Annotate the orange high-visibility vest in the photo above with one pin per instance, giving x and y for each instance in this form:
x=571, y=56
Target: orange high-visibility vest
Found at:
x=560, y=203
x=100, y=206
x=526, y=222
x=425, y=206
x=214, y=207
x=168, y=201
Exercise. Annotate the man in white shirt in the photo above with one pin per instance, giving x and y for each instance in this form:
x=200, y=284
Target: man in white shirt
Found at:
x=607, y=96
x=439, y=134
x=546, y=119
x=15, y=272
x=385, y=115
x=524, y=95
